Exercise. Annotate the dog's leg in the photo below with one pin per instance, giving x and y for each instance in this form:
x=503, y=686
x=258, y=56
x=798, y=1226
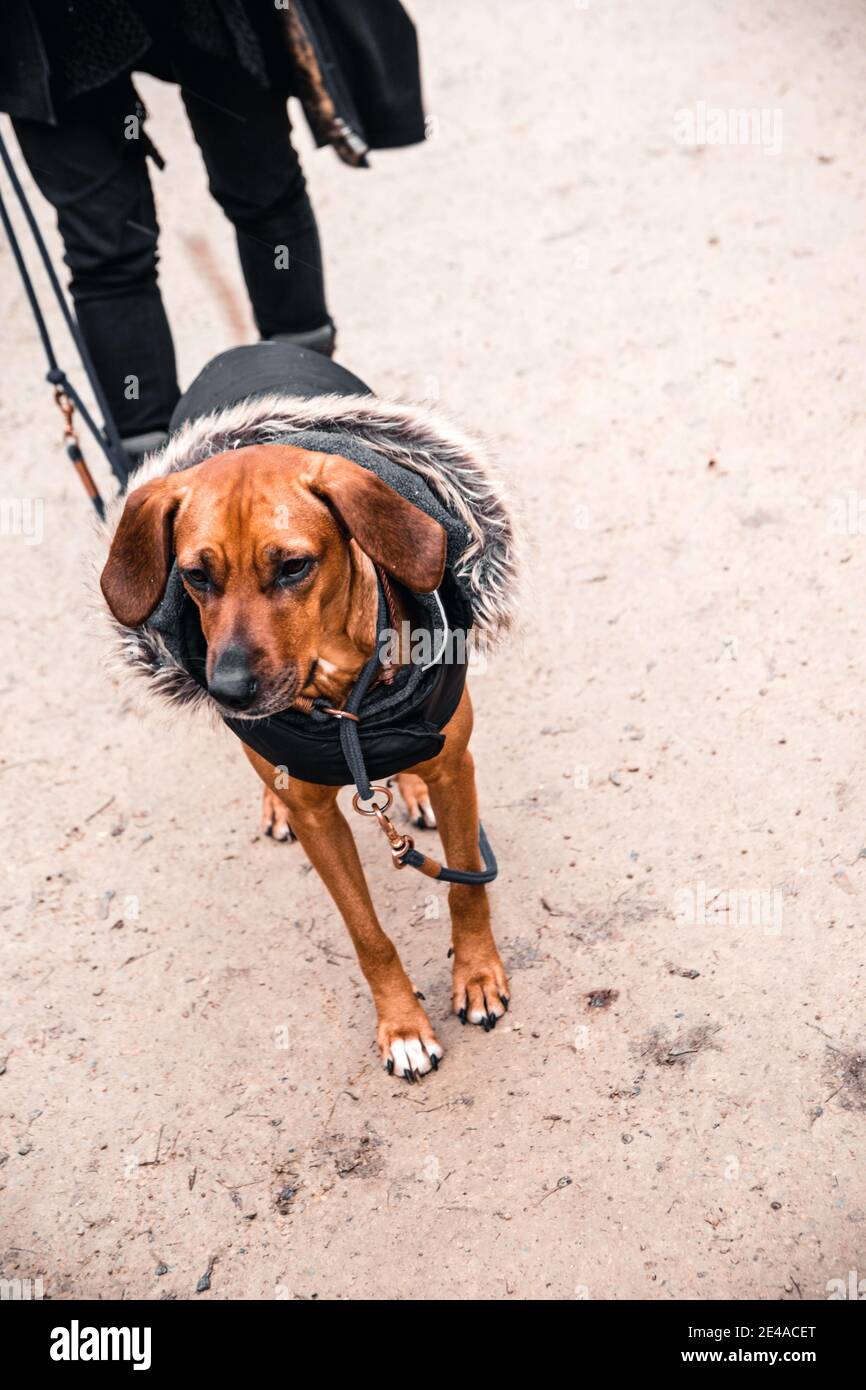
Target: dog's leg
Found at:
x=407, y=1043
x=275, y=817
x=480, y=985
x=416, y=800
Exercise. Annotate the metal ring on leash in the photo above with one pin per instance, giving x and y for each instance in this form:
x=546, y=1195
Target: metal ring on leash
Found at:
x=375, y=810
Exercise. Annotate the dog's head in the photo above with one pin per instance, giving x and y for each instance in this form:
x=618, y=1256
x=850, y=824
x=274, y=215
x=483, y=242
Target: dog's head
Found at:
x=270, y=543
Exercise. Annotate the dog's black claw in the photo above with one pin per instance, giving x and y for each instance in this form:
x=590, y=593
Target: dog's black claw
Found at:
x=491, y=1019
x=420, y=822
x=450, y=953
x=419, y=995
x=485, y=1024
x=410, y=1076
x=504, y=1002
x=434, y=1061
x=389, y=1066
x=462, y=1015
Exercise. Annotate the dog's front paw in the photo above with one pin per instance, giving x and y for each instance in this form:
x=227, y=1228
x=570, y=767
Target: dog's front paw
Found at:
x=407, y=1043
x=480, y=986
x=275, y=817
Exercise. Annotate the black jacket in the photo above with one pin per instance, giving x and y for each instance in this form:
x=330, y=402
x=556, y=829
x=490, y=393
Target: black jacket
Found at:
x=352, y=63
x=278, y=393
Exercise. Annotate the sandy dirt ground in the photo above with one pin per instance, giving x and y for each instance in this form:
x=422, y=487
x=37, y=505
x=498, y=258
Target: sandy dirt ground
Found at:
x=663, y=342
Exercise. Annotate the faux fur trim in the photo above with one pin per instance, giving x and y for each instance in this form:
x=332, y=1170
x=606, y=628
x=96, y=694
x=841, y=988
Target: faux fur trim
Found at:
x=454, y=466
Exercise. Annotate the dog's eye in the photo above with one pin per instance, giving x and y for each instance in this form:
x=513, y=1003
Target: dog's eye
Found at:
x=291, y=571
x=197, y=579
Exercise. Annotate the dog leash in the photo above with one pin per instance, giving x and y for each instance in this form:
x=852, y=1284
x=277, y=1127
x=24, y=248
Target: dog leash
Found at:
x=66, y=397
x=403, y=851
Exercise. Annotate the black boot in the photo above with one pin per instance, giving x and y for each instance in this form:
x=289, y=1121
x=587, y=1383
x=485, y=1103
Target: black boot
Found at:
x=322, y=340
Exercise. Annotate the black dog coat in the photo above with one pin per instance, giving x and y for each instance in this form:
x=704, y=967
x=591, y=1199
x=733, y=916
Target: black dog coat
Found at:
x=278, y=393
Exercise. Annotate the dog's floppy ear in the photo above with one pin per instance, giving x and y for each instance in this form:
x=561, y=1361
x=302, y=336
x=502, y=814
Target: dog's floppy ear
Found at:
x=395, y=533
x=136, y=571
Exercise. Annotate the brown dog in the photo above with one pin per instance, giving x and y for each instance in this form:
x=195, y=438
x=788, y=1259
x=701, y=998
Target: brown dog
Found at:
x=276, y=546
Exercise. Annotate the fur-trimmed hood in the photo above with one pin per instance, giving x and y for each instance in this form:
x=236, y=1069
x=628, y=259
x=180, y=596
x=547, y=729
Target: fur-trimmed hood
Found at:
x=410, y=447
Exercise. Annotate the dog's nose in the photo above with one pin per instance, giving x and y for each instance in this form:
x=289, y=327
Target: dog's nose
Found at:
x=232, y=681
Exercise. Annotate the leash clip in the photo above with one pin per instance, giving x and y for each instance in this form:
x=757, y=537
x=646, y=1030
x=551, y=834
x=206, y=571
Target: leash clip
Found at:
x=400, y=844
x=67, y=410
x=73, y=448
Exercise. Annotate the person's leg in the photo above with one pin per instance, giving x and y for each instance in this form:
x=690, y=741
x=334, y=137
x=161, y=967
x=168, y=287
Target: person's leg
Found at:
x=97, y=181
x=255, y=175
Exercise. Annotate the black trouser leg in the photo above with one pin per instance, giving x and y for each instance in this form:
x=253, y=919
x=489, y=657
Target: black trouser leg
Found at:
x=97, y=181
x=255, y=175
